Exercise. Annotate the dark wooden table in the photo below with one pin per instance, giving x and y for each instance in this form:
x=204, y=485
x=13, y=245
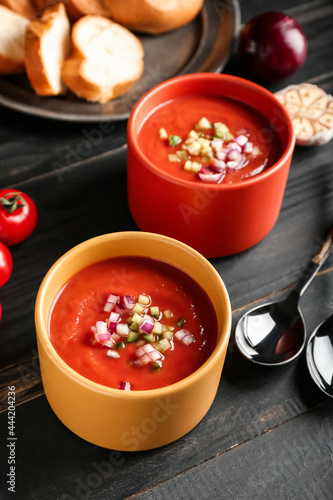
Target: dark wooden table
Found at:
x=269, y=432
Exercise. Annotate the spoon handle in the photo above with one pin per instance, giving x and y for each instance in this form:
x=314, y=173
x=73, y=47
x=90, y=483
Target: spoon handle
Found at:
x=314, y=265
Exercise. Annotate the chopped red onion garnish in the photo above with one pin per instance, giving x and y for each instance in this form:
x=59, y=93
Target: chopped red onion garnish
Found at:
x=147, y=324
x=146, y=354
x=112, y=354
x=232, y=155
x=216, y=144
x=219, y=165
x=114, y=339
x=144, y=349
x=207, y=170
x=128, y=301
x=220, y=155
x=243, y=161
x=125, y=386
x=185, y=336
x=109, y=306
x=122, y=329
x=102, y=337
x=111, y=302
x=109, y=343
x=232, y=166
x=114, y=317
x=119, y=308
x=241, y=140
x=243, y=131
x=112, y=326
x=101, y=327
x=234, y=145
x=248, y=147
x=211, y=177
x=112, y=321
x=101, y=333
x=141, y=362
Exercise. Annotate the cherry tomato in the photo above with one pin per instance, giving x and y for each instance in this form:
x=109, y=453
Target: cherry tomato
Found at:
x=6, y=264
x=18, y=216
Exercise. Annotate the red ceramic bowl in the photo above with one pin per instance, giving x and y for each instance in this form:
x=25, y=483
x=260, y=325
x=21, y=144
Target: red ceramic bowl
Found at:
x=215, y=219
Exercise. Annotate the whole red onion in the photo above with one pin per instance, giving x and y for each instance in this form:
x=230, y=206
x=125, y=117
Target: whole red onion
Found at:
x=272, y=46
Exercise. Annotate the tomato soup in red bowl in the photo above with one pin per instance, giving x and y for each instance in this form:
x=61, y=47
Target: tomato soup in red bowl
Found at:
x=208, y=161
x=132, y=327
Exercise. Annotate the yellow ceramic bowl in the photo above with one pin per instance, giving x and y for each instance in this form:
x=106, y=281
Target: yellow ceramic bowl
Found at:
x=124, y=420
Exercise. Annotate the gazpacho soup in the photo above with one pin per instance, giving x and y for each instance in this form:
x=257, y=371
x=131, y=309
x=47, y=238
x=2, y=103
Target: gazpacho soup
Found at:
x=133, y=323
x=209, y=139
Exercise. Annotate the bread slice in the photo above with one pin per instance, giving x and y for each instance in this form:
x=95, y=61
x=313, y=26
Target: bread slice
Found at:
x=41, y=5
x=47, y=44
x=149, y=16
x=92, y=7
x=12, y=29
x=106, y=60
x=23, y=7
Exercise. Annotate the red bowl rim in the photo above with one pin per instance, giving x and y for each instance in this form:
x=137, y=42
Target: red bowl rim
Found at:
x=132, y=136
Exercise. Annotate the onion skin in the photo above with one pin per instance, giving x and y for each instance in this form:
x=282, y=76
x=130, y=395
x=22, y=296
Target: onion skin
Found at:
x=272, y=46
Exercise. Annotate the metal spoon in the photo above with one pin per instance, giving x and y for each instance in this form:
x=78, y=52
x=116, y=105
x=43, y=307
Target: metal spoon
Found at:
x=274, y=333
x=319, y=356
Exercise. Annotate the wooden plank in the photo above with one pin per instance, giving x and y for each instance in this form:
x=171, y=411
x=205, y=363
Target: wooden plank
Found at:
x=25, y=376
x=31, y=146
x=290, y=462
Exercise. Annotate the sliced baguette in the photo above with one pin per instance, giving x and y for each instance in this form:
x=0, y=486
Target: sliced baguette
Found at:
x=23, y=7
x=41, y=5
x=47, y=44
x=149, y=16
x=12, y=29
x=106, y=61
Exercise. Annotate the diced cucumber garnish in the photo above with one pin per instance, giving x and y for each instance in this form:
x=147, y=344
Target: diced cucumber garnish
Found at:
x=150, y=337
x=167, y=335
x=138, y=308
x=174, y=140
x=157, y=327
x=132, y=337
x=162, y=345
x=155, y=312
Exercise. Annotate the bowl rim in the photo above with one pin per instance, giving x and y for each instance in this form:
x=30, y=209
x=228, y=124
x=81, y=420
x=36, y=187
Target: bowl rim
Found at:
x=44, y=338
x=174, y=82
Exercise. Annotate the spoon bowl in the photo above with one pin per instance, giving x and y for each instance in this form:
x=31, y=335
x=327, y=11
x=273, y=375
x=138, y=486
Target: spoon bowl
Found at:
x=319, y=356
x=275, y=333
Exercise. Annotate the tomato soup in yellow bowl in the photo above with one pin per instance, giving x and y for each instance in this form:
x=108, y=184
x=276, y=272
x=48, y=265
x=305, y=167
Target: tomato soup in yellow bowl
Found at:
x=129, y=326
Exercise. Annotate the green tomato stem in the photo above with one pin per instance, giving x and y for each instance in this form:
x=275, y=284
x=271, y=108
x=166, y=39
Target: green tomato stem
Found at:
x=12, y=201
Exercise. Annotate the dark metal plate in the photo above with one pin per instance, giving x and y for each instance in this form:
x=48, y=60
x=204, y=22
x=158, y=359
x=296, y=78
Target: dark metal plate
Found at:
x=204, y=45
